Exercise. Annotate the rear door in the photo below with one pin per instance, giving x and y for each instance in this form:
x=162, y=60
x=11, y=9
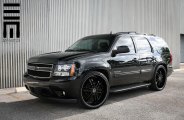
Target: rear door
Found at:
x=146, y=58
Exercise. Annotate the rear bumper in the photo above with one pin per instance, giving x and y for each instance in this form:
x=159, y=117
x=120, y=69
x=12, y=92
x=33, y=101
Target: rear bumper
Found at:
x=55, y=88
x=169, y=70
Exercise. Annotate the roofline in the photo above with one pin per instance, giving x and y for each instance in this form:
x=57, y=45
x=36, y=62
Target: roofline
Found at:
x=122, y=33
x=134, y=33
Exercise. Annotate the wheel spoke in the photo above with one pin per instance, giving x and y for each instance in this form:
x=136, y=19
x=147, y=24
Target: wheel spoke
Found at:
x=161, y=76
x=87, y=90
x=157, y=74
x=99, y=92
x=91, y=82
x=158, y=83
x=88, y=97
x=97, y=85
x=95, y=97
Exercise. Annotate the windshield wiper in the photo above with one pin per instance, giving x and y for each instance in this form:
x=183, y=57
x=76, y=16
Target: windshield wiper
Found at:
x=69, y=50
x=81, y=50
x=86, y=50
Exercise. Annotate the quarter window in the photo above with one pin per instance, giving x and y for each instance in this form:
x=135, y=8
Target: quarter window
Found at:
x=143, y=45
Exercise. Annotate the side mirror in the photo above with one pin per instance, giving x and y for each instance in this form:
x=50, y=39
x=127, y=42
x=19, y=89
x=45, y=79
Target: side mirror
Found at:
x=120, y=49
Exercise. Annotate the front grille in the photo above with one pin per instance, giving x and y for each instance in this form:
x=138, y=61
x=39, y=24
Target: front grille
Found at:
x=39, y=70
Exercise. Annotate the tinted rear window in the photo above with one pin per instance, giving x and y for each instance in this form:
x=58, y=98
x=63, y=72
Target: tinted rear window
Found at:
x=157, y=43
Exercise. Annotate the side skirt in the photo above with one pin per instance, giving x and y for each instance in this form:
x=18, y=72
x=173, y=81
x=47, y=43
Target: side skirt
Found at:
x=128, y=87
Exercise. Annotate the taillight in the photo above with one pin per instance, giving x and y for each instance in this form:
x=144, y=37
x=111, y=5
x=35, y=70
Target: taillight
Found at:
x=171, y=58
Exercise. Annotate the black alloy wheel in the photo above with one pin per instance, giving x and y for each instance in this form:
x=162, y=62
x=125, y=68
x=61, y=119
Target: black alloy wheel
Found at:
x=160, y=78
x=94, y=90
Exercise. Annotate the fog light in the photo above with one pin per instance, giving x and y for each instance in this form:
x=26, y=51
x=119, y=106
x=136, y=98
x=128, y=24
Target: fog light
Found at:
x=64, y=93
x=60, y=93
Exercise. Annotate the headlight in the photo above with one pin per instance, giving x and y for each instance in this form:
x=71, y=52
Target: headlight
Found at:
x=64, y=70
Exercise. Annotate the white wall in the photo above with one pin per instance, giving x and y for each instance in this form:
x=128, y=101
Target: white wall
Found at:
x=182, y=17
x=53, y=25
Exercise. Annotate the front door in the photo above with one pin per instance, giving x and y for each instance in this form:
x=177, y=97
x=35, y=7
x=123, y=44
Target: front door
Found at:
x=125, y=66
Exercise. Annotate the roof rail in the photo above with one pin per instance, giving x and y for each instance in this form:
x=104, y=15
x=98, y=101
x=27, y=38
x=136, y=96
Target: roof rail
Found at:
x=130, y=32
x=152, y=34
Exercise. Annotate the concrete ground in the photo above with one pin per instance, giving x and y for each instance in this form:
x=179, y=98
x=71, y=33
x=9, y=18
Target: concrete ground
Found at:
x=140, y=104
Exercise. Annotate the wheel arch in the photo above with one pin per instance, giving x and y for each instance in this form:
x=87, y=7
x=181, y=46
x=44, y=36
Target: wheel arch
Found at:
x=163, y=64
x=104, y=71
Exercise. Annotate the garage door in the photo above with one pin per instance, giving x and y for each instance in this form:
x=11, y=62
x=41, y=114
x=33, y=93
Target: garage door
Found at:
x=182, y=48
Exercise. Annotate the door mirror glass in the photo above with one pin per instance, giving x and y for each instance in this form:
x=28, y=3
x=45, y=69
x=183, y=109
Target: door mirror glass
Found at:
x=123, y=49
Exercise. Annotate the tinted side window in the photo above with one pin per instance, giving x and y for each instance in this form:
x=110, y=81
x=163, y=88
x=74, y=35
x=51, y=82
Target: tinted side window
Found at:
x=142, y=44
x=125, y=41
x=157, y=43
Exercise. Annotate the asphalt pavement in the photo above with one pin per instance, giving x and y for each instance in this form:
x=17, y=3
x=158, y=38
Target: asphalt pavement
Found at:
x=139, y=104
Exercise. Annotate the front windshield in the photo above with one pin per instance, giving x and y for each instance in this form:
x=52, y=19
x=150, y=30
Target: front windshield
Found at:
x=93, y=44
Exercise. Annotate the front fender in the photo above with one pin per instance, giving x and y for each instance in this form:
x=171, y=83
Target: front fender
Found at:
x=100, y=67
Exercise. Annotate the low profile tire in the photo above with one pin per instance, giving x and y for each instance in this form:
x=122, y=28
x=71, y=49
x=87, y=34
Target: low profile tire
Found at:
x=160, y=78
x=94, y=90
x=42, y=99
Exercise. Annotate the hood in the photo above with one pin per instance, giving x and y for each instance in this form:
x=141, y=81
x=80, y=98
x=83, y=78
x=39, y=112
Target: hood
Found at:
x=54, y=57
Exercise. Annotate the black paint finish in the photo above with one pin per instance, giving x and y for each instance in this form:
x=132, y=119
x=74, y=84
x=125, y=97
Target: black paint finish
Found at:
x=122, y=69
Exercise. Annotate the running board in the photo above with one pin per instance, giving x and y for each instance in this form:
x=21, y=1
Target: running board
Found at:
x=128, y=87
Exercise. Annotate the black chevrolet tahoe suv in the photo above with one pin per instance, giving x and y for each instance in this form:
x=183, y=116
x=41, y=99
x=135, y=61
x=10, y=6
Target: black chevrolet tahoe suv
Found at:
x=96, y=65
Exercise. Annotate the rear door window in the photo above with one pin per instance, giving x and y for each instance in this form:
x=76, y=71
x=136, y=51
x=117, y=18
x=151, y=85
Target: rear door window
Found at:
x=142, y=44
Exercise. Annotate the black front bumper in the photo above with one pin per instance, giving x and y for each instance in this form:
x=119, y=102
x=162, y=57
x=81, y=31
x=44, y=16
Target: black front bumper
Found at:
x=53, y=88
